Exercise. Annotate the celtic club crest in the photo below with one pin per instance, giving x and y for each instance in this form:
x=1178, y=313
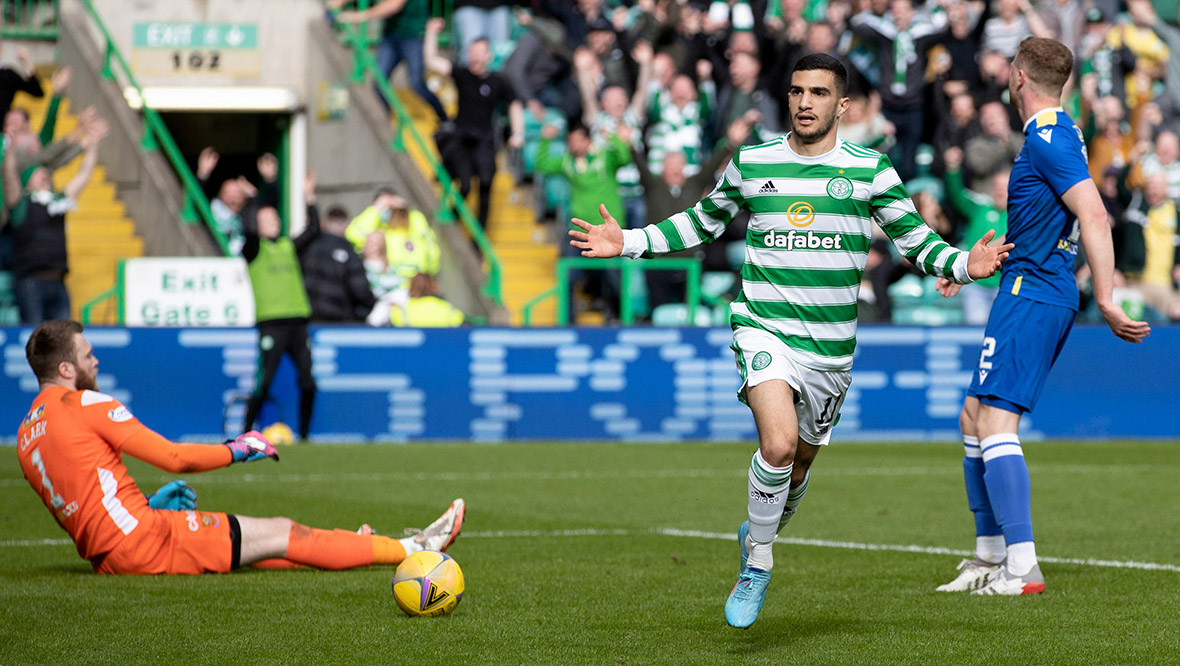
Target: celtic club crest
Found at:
x=839, y=188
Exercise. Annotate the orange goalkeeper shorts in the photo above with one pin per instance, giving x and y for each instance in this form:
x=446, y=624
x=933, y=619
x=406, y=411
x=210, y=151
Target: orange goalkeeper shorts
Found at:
x=176, y=542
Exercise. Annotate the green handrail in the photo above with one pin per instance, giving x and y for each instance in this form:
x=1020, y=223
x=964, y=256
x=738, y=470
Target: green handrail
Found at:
x=29, y=19
x=451, y=203
x=629, y=270
x=526, y=310
x=117, y=292
x=156, y=135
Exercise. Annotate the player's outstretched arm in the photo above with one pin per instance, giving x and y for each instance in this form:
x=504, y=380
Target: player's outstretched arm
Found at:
x=600, y=241
x=154, y=449
x=985, y=259
x=1085, y=202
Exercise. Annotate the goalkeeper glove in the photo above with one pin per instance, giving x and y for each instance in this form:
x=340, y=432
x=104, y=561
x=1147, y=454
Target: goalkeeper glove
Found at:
x=173, y=496
x=252, y=446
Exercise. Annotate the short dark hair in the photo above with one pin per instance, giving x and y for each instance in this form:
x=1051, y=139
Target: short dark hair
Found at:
x=50, y=345
x=337, y=212
x=382, y=191
x=826, y=62
x=578, y=127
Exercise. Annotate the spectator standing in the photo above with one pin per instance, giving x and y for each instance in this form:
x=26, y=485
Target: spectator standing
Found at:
x=1164, y=159
x=957, y=123
x=38, y=220
x=591, y=172
x=1143, y=14
x=671, y=191
x=411, y=245
x=1150, y=259
x=1104, y=66
x=333, y=274
x=679, y=116
x=41, y=148
x=903, y=40
x=469, y=150
x=481, y=19
x=21, y=79
x=281, y=305
x=982, y=213
x=402, y=27
x=995, y=149
x=539, y=67
x=1014, y=20
x=742, y=95
x=233, y=193
x=608, y=111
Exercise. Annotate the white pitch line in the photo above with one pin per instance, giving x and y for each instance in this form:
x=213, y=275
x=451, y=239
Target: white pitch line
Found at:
x=585, y=475
x=725, y=536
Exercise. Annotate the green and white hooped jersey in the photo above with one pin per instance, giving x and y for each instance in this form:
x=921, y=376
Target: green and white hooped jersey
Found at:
x=807, y=242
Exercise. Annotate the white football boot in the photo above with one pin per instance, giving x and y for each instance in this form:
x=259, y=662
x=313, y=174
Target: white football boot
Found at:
x=974, y=573
x=442, y=532
x=1008, y=584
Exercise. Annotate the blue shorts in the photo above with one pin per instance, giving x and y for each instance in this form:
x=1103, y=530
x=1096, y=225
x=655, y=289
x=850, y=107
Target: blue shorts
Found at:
x=1022, y=341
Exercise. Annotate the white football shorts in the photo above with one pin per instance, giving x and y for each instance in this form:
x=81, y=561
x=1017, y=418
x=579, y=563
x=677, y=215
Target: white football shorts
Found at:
x=761, y=357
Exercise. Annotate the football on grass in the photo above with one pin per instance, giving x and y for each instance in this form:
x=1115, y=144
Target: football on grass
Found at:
x=428, y=584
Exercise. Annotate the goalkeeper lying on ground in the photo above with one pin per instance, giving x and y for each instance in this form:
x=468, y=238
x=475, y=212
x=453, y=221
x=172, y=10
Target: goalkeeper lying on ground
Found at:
x=70, y=448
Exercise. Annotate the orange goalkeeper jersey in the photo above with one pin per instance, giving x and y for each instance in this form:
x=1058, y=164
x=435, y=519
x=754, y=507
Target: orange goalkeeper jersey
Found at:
x=70, y=447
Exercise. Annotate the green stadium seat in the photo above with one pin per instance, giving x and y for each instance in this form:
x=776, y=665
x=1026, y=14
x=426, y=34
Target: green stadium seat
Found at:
x=715, y=284
x=676, y=314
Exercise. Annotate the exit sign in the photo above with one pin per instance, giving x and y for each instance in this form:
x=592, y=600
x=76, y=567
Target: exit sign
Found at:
x=195, y=36
x=173, y=48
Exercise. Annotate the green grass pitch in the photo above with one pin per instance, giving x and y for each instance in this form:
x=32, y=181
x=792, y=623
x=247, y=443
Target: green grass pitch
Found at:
x=622, y=554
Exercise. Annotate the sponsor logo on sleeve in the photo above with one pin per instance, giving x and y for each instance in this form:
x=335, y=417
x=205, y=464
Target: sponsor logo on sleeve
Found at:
x=120, y=414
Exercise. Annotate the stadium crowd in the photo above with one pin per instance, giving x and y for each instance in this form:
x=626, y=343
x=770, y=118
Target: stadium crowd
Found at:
x=637, y=104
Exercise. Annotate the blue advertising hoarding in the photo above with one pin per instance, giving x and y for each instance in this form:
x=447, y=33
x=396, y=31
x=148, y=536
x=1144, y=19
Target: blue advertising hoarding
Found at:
x=632, y=384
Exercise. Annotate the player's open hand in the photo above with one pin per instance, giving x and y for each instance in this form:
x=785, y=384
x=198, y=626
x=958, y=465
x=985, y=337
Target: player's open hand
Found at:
x=174, y=496
x=947, y=288
x=1123, y=326
x=602, y=241
x=984, y=260
x=252, y=446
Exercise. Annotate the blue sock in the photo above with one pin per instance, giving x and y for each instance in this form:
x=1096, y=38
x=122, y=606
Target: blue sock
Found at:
x=1006, y=477
x=977, y=499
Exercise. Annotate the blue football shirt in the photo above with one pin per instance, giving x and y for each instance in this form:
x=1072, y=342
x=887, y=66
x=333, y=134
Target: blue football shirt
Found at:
x=1043, y=229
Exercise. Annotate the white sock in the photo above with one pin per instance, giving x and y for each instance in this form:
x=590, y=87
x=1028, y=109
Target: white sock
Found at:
x=410, y=545
x=1022, y=557
x=990, y=548
x=761, y=555
x=767, y=486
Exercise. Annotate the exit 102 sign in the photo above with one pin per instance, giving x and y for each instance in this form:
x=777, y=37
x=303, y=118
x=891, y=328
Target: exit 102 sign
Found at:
x=171, y=48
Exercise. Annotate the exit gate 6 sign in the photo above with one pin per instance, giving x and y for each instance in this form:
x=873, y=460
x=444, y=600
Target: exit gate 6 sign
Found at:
x=168, y=48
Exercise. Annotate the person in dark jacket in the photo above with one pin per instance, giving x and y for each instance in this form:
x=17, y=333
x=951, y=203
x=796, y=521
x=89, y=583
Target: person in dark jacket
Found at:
x=671, y=192
x=334, y=275
x=38, y=219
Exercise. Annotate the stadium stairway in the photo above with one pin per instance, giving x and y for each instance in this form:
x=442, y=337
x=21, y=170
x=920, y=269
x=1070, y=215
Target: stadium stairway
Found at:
x=527, y=256
x=98, y=232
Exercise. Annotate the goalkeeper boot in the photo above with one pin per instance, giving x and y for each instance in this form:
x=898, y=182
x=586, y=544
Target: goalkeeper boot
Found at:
x=743, y=532
x=442, y=532
x=974, y=573
x=1009, y=584
x=745, y=600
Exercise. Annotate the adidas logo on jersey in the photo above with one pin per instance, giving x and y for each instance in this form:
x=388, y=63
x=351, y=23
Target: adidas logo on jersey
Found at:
x=768, y=188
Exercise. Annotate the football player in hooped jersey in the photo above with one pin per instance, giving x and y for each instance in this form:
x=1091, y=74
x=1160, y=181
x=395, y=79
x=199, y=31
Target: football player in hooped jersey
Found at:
x=71, y=447
x=812, y=200
x=1052, y=203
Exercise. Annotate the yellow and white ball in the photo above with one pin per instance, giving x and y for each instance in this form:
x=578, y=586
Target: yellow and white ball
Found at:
x=428, y=584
